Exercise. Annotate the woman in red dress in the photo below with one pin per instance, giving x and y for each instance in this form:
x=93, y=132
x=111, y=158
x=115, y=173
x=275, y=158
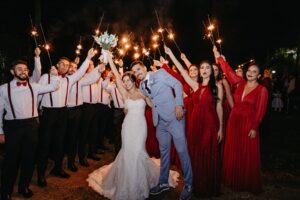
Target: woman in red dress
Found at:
x=206, y=129
x=241, y=161
x=227, y=101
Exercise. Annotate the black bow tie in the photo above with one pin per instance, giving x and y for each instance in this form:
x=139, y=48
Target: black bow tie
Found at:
x=146, y=86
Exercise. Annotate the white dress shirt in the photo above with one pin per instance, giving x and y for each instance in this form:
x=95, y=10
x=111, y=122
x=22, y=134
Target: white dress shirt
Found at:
x=116, y=95
x=104, y=96
x=75, y=97
x=21, y=99
x=36, y=74
x=59, y=96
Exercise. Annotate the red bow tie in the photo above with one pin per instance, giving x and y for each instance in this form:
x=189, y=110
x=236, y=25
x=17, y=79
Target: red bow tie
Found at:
x=21, y=83
x=62, y=75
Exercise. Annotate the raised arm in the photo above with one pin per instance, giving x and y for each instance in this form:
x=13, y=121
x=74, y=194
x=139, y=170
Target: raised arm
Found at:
x=193, y=84
x=54, y=83
x=185, y=60
x=219, y=108
x=228, y=93
x=36, y=74
x=117, y=75
x=93, y=76
x=84, y=66
x=229, y=73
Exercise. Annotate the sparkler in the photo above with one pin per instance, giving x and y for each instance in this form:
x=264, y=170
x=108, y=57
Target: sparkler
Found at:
x=155, y=45
x=47, y=46
x=171, y=36
x=209, y=34
x=97, y=31
x=34, y=32
x=79, y=47
x=219, y=41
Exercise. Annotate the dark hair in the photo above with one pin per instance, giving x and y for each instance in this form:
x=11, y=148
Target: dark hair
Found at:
x=136, y=63
x=254, y=64
x=198, y=77
x=63, y=58
x=211, y=83
x=219, y=76
x=131, y=76
x=17, y=62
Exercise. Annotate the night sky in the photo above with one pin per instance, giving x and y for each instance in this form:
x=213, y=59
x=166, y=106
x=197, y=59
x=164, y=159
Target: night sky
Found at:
x=250, y=29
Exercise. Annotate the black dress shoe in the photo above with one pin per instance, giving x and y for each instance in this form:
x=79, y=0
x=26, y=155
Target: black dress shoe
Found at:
x=72, y=167
x=5, y=197
x=25, y=192
x=94, y=157
x=84, y=162
x=60, y=173
x=42, y=181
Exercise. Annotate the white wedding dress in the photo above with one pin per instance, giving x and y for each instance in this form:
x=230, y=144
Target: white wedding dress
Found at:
x=131, y=175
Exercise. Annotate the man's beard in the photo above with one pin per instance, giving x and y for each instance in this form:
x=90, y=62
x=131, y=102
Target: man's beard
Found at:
x=22, y=78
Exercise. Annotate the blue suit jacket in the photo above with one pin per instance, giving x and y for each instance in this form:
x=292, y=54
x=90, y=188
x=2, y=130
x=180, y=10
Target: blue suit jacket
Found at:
x=161, y=84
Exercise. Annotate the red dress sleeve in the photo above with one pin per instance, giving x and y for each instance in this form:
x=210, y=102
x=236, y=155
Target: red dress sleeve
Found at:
x=260, y=108
x=229, y=73
x=174, y=74
x=186, y=87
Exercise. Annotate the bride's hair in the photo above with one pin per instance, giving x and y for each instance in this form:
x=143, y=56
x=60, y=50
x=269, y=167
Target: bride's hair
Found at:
x=131, y=77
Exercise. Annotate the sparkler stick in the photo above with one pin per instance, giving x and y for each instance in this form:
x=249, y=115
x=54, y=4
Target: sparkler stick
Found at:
x=219, y=41
x=47, y=47
x=209, y=34
x=211, y=27
x=97, y=31
x=33, y=32
x=155, y=46
x=145, y=52
x=160, y=30
x=171, y=36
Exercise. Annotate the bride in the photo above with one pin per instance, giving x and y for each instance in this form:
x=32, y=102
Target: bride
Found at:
x=131, y=175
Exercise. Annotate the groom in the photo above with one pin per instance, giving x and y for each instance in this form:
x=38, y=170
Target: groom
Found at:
x=168, y=117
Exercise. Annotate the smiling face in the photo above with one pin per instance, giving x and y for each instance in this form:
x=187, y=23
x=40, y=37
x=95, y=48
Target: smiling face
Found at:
x=128, y=83
x=72, y=68
x=140, y=71
x=252, y=73
x=193, y=71
x=63, y=66
x=20, y=71
x=205, y=70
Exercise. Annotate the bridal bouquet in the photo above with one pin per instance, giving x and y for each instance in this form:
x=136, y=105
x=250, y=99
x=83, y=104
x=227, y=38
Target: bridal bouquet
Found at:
x=106, y=41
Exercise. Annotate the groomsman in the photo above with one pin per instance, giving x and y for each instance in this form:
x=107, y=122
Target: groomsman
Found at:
x=18, y=99
x=89, y=128
x=75, y=101
x=54, y=119
x=118, y=115
x=104, y=114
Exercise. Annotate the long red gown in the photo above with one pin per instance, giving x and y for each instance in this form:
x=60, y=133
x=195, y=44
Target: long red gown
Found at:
x=188, y=105
x=203, y=144
x=241, y=161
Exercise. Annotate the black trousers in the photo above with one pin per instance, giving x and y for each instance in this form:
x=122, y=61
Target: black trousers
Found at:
x=51, y=137
x=73, y=129
x=89, y=128
x=104, y=118
x=117, y=121
x=21, y=137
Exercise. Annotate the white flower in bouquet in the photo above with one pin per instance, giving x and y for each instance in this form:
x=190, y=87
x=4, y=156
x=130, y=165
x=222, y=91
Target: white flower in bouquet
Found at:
x=106, y=41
